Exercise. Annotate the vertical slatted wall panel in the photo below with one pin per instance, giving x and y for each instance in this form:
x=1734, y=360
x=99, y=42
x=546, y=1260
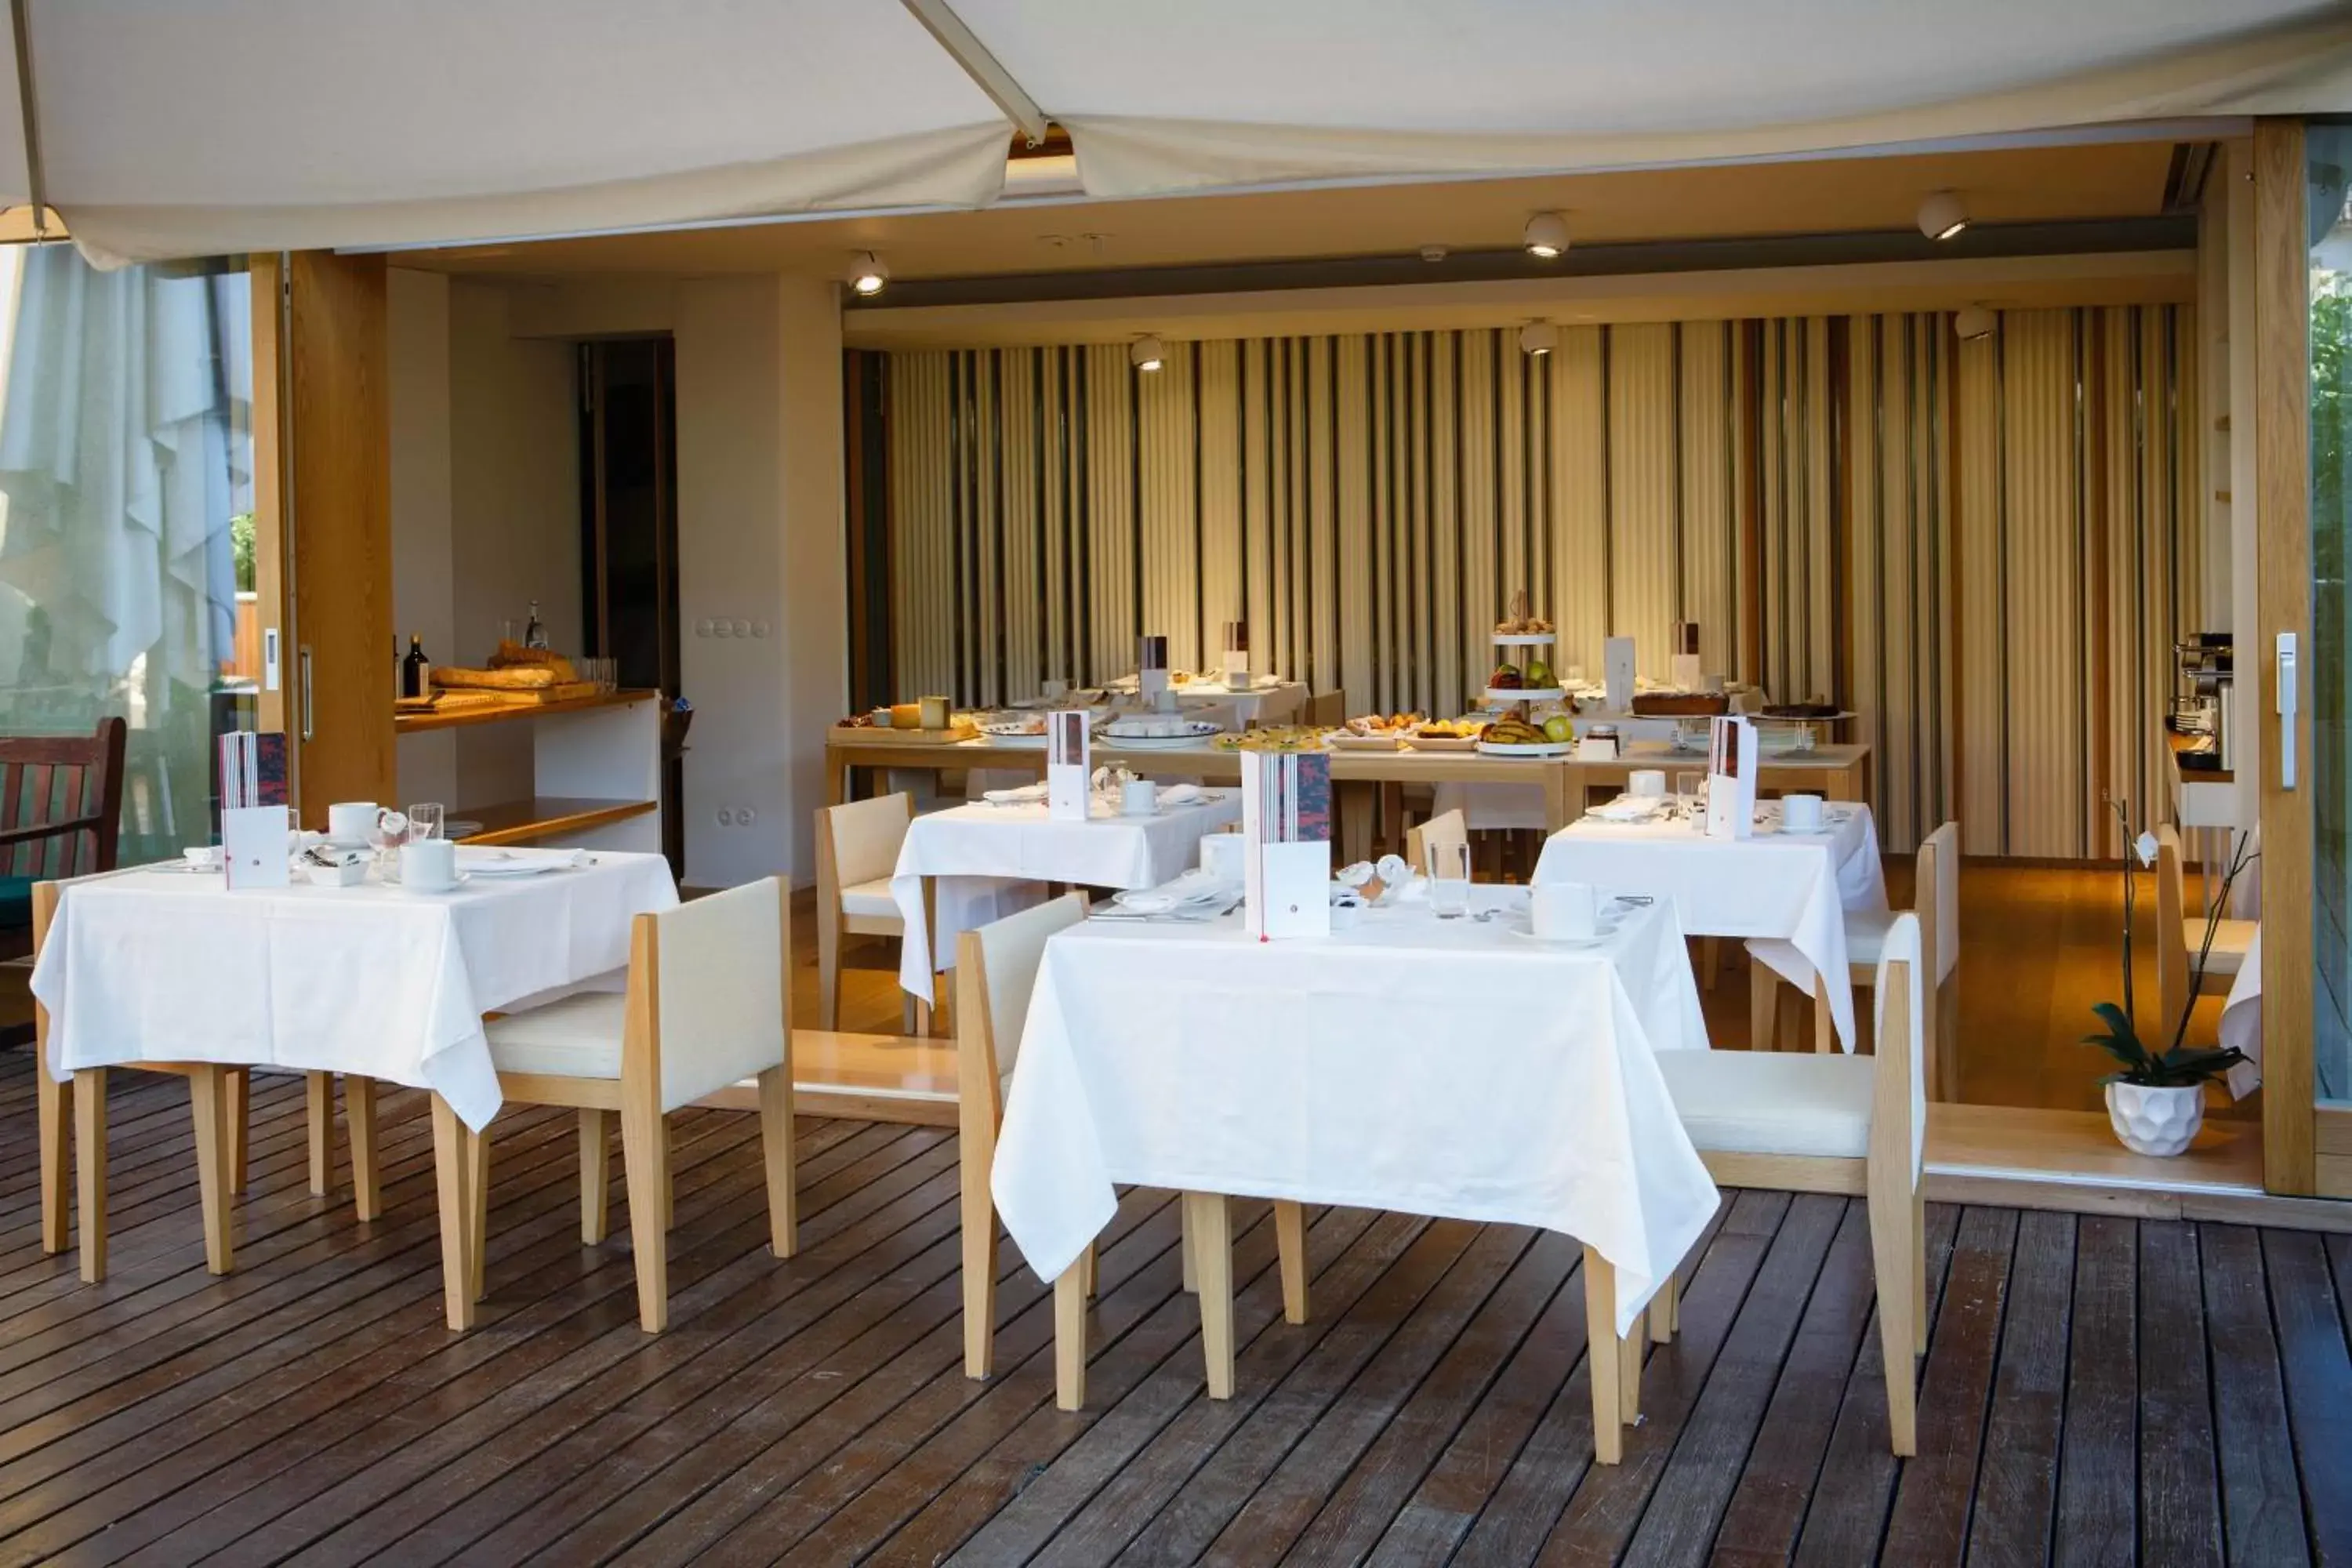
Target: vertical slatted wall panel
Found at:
x=1933, y=527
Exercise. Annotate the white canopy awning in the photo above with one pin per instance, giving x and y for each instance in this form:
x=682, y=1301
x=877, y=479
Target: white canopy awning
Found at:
x=177, y=129
x=172, y=130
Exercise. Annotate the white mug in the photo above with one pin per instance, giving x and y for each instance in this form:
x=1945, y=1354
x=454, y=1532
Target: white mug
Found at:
x=1138, y=797
x=1220, y=857
x=1559, y=912
x=1646, y=784
x=1801, y=813
x=202, y=857
x=351, y=821
x=429, y=865
x=1056, y=688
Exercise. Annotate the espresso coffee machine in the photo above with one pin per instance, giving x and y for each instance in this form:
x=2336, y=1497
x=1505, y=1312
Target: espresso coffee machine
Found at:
x=2202, y=700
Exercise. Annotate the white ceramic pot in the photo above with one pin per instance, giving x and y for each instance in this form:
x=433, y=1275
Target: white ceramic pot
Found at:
x=2156, y=1119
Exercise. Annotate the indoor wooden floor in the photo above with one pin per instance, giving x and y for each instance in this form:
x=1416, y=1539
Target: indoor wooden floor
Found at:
x=2096, y=1389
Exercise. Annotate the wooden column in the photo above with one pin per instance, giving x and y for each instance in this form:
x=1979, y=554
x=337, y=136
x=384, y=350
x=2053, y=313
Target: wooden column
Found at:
x=324, y=488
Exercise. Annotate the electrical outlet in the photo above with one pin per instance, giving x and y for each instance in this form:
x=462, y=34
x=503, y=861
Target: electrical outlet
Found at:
x=745, y=817
x=726, y=817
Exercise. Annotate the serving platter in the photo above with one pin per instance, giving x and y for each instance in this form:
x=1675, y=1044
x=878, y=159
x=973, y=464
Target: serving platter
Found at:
x=1526, y=694
x=1544, y=749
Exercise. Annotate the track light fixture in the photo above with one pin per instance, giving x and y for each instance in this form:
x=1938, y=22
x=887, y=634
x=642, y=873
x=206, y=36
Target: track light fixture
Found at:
x=867, y=274
x=1942, y=215
x=1546, y=235
x=1538, y=337
x=1147, y=353
x=1974, y=322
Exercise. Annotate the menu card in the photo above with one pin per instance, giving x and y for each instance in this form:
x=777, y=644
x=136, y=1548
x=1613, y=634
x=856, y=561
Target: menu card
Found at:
x=254, y=844
x=1151, y=668
x=1731, y=764
x=1069, y=775
x=1617, y=673
x=252, y=770
x=1286, y=836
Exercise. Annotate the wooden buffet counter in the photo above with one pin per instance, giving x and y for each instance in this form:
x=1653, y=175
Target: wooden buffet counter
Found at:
x=595, y=770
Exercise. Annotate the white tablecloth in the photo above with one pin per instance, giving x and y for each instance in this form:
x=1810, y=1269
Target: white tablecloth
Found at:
x=1275, y=703
x=1445, y=1068
x=1023, y=843
x=165, y=965
x=2242, y=1020
x=1786, y=892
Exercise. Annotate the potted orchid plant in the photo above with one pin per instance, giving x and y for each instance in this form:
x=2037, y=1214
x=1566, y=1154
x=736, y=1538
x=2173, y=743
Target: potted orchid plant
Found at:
x=2156, y=1102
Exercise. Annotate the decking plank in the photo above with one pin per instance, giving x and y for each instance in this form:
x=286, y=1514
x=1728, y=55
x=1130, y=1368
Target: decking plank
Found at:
x=2261, y=1504
x=2017, y=1482
x=2098, y=1492
x=2319, y=1384
x=2178, y=1478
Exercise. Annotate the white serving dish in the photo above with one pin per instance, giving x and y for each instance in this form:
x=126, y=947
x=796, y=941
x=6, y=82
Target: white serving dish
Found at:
x=1523, y=640
x=1545, y=749
x=1525, y=694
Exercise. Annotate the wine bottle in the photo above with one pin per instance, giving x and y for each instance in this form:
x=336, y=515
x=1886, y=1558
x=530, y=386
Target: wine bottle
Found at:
x=533, y=633
x=416, y=670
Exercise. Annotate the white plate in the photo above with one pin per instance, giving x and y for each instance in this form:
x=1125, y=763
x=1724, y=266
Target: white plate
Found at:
x=458, y=885
x=1156, y=742
x=490, y=864
x=1523, y=640
x=1010, y=735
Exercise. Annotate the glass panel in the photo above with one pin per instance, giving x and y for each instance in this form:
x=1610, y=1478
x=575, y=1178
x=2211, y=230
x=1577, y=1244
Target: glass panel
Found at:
x=126, y=521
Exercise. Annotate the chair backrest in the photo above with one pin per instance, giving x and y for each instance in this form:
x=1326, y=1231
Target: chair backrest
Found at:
x=1935, y=894
x=1328, y=710
x=69, y=786
x=996, y=970
x=720, y=982
x=1445, y=827
x=1899, y=1101
x=2172, y=928
x=864, y=836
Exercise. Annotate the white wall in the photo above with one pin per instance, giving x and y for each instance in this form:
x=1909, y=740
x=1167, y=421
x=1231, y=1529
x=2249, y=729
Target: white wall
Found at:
x=761, y=538
x=422, y=586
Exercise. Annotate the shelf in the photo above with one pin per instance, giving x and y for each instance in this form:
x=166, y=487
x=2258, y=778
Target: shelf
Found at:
x=417, y=723
x=1526, y=694
x=547, y=817
x=1523, y=640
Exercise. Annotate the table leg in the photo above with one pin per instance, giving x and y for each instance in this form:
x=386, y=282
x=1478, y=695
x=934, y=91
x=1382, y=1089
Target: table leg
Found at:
x=1666, y=1312
x=451, y=1162
x=836, y=778
x=1563, y=794
x=55, y=1107
x=321, y=1088
x=1191, y=1257
x=1825, y=1021
x=1070, y=1338
x=1763, y=1004
x=477, y=1194
x=240, y=1105
x=1602, y=1360
x=1213, y=1246
x=1290, y=1248
x=89, y=1168
x=208, y=1101
x=367, y=1175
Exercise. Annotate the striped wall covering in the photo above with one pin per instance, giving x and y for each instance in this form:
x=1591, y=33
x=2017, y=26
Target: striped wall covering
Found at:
x=1985, y=549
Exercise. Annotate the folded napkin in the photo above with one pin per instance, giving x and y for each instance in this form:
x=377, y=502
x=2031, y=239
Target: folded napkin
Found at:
x=1026, y=794
x=1630, y=808
x=1180, y=794
x=492, y=856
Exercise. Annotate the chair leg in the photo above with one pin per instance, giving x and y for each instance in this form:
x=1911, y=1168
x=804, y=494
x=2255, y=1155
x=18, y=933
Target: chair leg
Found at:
x=1070, y=1339
x=240, y=1105
x=979, y=1218
x=477, y=1194
x=645, y=1161
x=89, y=1168
x=1601, y=1359
x=452, y=1160
x=367, y=1167
x=1212, y=1244
x=1892, y=1242
x=321, y=1088
x=1191, y=1255
x=1763, y=1004
x=1825, y=1021
x=776, y=1150
x=596, y=1174
x=56, y=1138
x=1290, y=1248
x=1087, y=1264
x=1919, y=1269
x=828, y=973
x=208, y=1103
x=1665, y=1311
x=1710, y=961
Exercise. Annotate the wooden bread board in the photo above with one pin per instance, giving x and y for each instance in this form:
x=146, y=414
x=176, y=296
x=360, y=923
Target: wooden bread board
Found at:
x=878, y=734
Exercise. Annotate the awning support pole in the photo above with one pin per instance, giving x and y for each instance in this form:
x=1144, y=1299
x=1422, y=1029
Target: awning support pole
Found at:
x=939, y=19
x=35, y=183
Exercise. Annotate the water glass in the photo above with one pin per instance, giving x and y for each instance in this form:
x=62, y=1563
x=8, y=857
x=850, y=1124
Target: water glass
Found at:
x=1449, y=880
x=424, y=821
x=1690, y=793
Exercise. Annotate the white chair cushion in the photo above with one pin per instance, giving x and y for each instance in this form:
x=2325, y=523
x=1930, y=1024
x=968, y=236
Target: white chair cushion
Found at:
x=869, y=899
x=579, y=1036
x=1865, y=936
x=1771, y=1102
x=2231, y=941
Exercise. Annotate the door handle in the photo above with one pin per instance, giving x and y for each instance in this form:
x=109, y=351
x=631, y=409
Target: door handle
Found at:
x=308, y=727
x=2288, y=701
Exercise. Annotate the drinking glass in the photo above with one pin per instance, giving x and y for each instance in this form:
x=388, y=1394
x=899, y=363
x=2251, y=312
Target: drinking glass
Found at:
x=424, y=821
x=390, y=831
x=1690, y=793
x=1449, y=880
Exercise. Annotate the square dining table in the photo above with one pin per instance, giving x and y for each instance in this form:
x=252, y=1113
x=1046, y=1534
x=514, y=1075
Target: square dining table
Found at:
x=1022, y=841
x=1458, y=1069
x=1788, y=893
x=374, y=981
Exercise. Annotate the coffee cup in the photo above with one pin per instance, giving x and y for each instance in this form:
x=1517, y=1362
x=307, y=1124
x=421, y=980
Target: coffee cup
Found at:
x=202, y=857
x=351, y=821
x=1138, y=797
x=1220, y=857
x=1056, y=688
x=429, y=865
x=1801, y=813
x=1646, y=784
x=1564, y=911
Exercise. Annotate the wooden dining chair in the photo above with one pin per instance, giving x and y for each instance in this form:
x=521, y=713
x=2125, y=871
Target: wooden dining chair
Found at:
x=1445, y=827
x=1936, y=900
x=1855, y=1125
x=856, y=851
x=2179, y=935
x=708, y=1005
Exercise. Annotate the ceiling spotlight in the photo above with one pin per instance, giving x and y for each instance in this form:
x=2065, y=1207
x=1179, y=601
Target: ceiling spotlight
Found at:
x=1538, y=337
x=867, y=274
x=1941, y=216
x=1546, y=235
x=1974, y=322
x=1147, y=352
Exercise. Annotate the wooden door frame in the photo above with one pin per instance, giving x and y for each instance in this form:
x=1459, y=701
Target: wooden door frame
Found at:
x=2282, y=575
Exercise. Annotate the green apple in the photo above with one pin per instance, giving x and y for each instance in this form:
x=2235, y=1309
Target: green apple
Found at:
x=1538, y=674
x=1560, y=727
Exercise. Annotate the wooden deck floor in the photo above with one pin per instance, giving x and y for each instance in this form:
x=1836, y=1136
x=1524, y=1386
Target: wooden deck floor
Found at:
x=2097, y=1390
